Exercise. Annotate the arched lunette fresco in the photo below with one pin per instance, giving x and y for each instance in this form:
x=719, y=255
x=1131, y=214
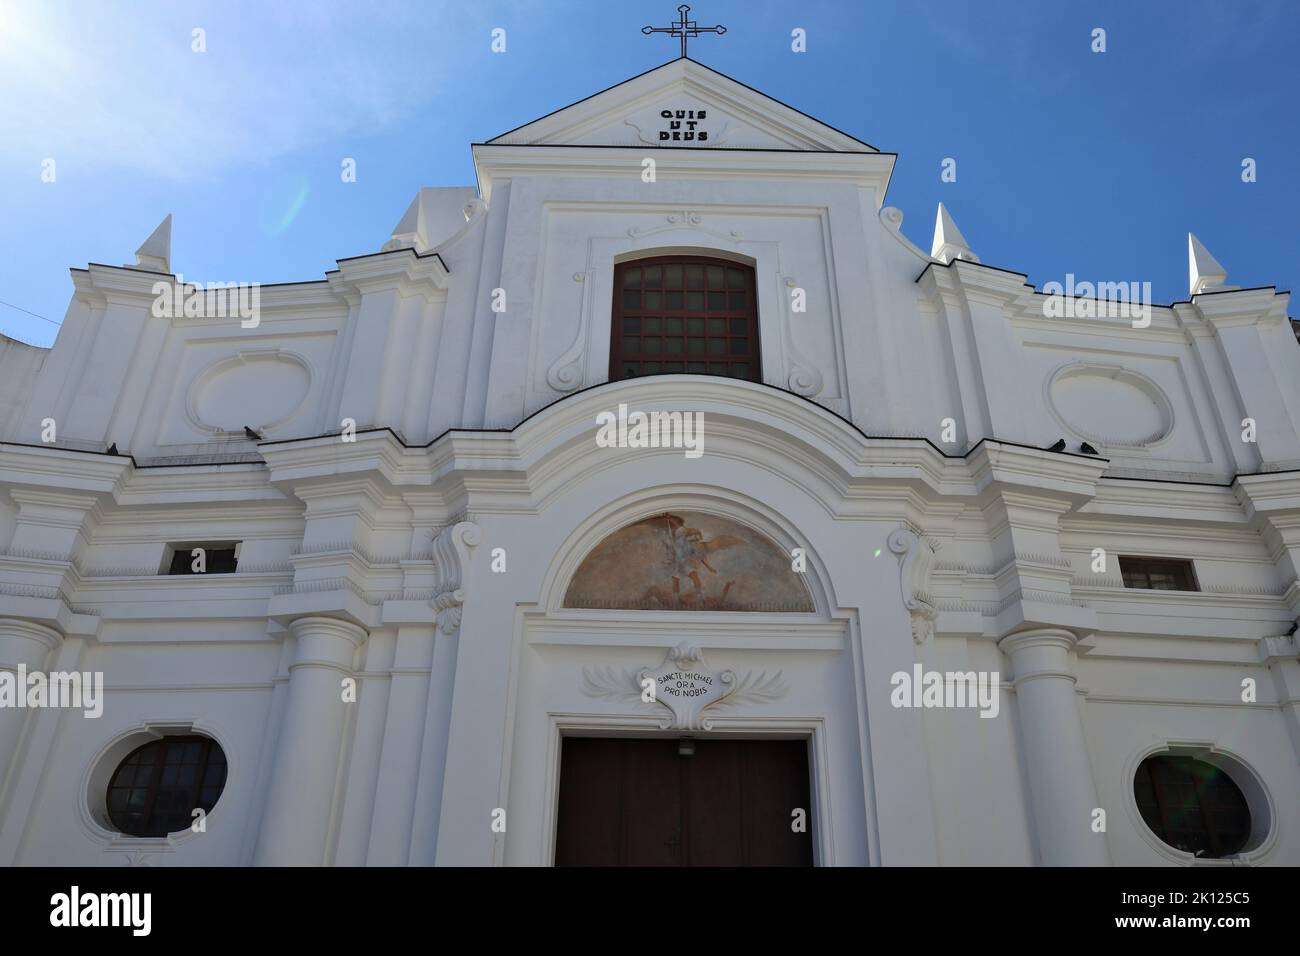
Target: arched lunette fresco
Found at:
x=687, y=561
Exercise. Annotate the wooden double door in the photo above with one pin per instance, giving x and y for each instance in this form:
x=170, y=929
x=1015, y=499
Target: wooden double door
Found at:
x=639, y=802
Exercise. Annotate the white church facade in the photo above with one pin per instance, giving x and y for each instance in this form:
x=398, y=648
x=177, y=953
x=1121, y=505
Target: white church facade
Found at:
x=655, y=501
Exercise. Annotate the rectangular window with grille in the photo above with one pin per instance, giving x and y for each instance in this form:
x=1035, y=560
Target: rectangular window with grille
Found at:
x=219, y=557
x=1158, y=574
x=684, y=314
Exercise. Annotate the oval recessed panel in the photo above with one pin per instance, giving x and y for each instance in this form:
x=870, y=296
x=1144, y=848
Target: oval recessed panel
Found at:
x=1111, y=404
x=260, y=391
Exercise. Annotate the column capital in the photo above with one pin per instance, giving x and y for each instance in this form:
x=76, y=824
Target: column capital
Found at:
x=1038, y=637
x=1040, y=652
x=326, y=641
x=16, y=628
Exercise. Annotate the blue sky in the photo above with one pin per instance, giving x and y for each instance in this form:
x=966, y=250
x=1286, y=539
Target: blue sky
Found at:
x=1067, y=160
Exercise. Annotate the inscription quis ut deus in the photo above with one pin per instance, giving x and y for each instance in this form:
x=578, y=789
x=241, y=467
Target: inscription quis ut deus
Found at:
x=683, y=126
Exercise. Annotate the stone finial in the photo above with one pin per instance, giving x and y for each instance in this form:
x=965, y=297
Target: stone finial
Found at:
x=1204, y=274
x=155, y=253
x=949, y=243
x=412, y=231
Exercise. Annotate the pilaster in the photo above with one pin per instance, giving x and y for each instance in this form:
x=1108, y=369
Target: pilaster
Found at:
x=393, y=292
x=1245, y=322
x=1024, y=492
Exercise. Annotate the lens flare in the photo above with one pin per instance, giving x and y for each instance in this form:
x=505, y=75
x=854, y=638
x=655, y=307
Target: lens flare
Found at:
x=280, y=207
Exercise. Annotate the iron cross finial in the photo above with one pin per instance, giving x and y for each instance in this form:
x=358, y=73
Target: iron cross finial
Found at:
x=684, y=28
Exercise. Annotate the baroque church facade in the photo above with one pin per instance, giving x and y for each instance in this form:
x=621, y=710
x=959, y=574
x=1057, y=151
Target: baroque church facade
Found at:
x=655, y=501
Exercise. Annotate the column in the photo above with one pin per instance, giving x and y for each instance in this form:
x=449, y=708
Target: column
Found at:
x=31, y=767
x=403, y=741
x=25, y=644
x=296, y=822
x=1056, y=757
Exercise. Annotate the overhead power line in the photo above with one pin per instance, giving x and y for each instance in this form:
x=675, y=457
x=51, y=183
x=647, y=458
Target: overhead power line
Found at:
x=29, y=312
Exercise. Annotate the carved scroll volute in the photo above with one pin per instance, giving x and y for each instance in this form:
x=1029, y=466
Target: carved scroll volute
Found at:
x=804, y=378
x=916, y=558
x=452, y=548
x=566, y=372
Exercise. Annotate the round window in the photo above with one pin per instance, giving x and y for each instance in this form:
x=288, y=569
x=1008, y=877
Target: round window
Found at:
x=155, y=790
x=1192, y=805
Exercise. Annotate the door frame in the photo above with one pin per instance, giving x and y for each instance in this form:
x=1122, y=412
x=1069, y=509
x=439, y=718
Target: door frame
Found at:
x=810, y=730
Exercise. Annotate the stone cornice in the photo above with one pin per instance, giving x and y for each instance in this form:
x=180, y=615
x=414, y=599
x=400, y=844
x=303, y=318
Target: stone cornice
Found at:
x=766, y=419
x=1164, y=326
x=514, y=460
x=1106, y=597
x=314, y=294
x=1017, y=468
x=1125, y=499
x=543, y=448
x=51, y=467
x=513, y=466
x=336, y=597
x=302, y=463
x=1231, y=308
x=48, y=607
x=1026, y=306
x=1280, y=648
x=99, y=284
x=498, y=162
x=939, y=283
x=1276, y=496
x=58, y=508
x=401, y=269
x=977, y=282
x=238, y=486
x=344, y=494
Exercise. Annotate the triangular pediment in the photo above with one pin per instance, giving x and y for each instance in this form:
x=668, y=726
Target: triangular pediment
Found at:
x=683, y=104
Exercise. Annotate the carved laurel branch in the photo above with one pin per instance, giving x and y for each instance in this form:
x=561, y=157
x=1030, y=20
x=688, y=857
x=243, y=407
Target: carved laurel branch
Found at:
x=624, y=686
x=756, y=689
x=611, y=684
